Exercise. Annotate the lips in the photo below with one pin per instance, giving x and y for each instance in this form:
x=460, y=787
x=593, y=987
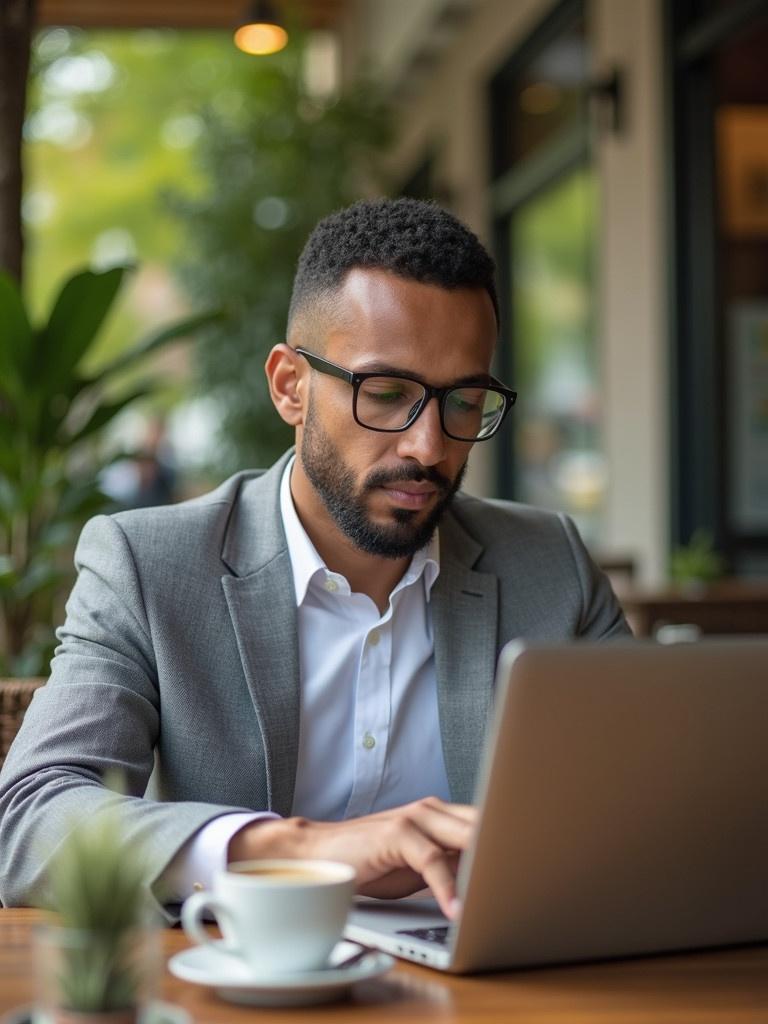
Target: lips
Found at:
x=411, y=487
x=410, y=495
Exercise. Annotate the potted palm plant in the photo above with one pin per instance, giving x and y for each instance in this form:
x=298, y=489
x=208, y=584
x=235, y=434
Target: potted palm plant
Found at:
x=53, y=413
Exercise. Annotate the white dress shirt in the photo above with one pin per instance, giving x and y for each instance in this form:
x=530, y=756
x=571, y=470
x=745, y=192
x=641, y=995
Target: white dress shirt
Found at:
x=369, y=733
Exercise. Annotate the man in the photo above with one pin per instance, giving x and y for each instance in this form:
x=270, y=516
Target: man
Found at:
x=301, y=660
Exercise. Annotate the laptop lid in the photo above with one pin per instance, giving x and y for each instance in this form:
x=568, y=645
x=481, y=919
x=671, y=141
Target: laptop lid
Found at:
x=624, y=805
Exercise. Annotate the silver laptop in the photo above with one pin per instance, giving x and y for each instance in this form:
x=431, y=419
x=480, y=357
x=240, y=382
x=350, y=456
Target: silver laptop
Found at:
x=624, y=810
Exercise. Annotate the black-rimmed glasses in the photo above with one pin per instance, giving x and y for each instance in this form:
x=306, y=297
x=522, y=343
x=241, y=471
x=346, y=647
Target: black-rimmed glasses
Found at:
x=392, y=402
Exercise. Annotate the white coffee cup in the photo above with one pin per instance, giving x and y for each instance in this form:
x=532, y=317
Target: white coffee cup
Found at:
x=277, y=915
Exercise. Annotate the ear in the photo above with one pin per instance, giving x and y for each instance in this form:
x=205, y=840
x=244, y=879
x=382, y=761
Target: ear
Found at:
x=286, y=384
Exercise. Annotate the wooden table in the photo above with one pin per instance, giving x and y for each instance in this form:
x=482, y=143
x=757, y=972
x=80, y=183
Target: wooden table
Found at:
x=729, y=606
x=727, y=987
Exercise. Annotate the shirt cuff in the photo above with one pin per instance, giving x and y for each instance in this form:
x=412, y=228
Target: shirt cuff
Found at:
x=195, y=864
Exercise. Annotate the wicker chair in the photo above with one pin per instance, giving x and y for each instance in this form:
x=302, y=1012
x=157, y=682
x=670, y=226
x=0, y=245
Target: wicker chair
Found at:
x=15, y=696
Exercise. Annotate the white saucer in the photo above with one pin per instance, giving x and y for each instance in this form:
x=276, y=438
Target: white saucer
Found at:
x=235, y=981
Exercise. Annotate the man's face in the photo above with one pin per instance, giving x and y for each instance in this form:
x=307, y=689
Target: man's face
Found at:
x=386, y=491
x=347, y=500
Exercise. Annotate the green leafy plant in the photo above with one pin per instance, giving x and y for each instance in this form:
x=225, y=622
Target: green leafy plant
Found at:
x=696, y=562
x=97, y=891
x=52, y=417
x=273, y=159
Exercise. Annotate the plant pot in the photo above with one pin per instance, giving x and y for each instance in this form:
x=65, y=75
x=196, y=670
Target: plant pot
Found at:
x=87, y=977
x=129, y=1016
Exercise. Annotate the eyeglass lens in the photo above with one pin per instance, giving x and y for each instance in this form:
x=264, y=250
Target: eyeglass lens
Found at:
x=390, y=403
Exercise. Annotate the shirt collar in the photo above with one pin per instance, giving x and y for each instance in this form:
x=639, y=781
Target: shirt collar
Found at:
x=306, y=563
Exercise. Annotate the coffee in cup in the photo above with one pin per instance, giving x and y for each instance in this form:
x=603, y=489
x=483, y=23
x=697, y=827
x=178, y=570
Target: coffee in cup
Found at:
x=279, y=916
x=284, y=874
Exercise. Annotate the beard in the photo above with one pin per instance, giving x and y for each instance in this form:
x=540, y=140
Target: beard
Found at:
x=345, y=501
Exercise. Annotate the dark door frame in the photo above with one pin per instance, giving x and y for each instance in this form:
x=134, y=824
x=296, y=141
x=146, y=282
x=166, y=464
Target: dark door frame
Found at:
x=511, y=188
x=698, y=456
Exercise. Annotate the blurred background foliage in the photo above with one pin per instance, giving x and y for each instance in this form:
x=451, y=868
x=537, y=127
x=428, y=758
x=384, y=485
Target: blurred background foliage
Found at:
x=206, y=169
x=274, y=160
x=209, y=168
x=52, y=416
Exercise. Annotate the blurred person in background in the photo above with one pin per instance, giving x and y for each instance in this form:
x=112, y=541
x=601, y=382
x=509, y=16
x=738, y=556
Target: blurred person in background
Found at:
x=149, y=477
x=156, y=473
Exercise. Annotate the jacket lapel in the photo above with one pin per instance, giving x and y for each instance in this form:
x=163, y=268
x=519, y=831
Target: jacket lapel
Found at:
x=465, y=619
x=262, y=605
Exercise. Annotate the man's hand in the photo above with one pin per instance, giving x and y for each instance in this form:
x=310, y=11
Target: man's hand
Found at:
x=394, y=853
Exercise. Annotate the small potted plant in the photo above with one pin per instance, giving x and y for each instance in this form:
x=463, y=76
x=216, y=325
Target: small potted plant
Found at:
x=697, y=564
x=98, y=955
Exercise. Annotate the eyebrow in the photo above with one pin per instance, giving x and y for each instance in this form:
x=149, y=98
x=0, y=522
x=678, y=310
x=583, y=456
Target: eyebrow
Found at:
x=480, y=379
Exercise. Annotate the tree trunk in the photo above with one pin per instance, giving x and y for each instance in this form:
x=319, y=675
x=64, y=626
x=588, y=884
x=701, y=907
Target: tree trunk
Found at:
x=16, y=18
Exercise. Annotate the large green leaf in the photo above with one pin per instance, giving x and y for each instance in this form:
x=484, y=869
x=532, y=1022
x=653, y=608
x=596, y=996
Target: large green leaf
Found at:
x=8, y=497
x=80, y=500
x=50, y=415
x=37, y=578
x=15, y=338
x=104, y=413
x=8, y=576
x=49, y=426
x=156, y=340
x=58, y=535
x=9, y=447
x=77, y=315
x=56, y=409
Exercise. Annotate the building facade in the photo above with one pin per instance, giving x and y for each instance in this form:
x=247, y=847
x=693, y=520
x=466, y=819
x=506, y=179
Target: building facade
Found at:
x=614, y=155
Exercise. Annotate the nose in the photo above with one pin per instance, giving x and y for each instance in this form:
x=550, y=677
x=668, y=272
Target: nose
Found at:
x=424, y=441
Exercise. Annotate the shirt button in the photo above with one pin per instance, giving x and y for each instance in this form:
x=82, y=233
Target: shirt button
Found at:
x=331, y=586
x=374, y=638
x=368, y=741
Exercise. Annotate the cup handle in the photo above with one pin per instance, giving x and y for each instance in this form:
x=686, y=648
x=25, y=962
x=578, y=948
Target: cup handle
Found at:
x=191, y=919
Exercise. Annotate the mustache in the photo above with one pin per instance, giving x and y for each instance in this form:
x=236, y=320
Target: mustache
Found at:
x=412, y=474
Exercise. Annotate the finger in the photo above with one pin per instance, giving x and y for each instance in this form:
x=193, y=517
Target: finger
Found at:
x=451, y=863
x=441, y=879
x=394, y=885
x=467, y=812
x=401, y=882
x=435, y=865
x=450, y=831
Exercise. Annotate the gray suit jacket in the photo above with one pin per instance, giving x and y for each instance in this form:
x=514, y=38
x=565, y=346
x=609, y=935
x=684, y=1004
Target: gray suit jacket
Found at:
x=178, y=661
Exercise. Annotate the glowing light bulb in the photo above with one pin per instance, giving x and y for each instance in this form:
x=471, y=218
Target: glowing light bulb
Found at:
x=260, y=38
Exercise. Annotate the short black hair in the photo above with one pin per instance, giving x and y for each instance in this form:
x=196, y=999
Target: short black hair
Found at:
x=412, y=238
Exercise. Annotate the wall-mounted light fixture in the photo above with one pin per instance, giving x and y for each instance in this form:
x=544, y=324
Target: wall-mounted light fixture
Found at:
x=261, y=31
x=607, y=95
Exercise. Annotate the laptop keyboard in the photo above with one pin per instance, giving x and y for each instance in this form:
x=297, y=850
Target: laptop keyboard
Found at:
x=438, y=935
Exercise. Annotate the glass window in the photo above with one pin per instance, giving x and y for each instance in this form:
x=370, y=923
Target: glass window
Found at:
x=719, y=412
x=557, y=430
x=543, y=97
x=545, y=198
x=741, y=119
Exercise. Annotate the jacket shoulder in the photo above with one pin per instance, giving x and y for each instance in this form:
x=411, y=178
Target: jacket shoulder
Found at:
x=491, y=521
x=190, y=532
x=210, y=505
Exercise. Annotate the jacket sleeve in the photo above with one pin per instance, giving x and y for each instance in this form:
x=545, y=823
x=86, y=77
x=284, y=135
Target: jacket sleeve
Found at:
x=602, y=616
x=98, y=712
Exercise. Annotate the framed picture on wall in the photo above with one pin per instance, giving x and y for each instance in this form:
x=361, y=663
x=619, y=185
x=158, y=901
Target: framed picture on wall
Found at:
x=748, y=345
